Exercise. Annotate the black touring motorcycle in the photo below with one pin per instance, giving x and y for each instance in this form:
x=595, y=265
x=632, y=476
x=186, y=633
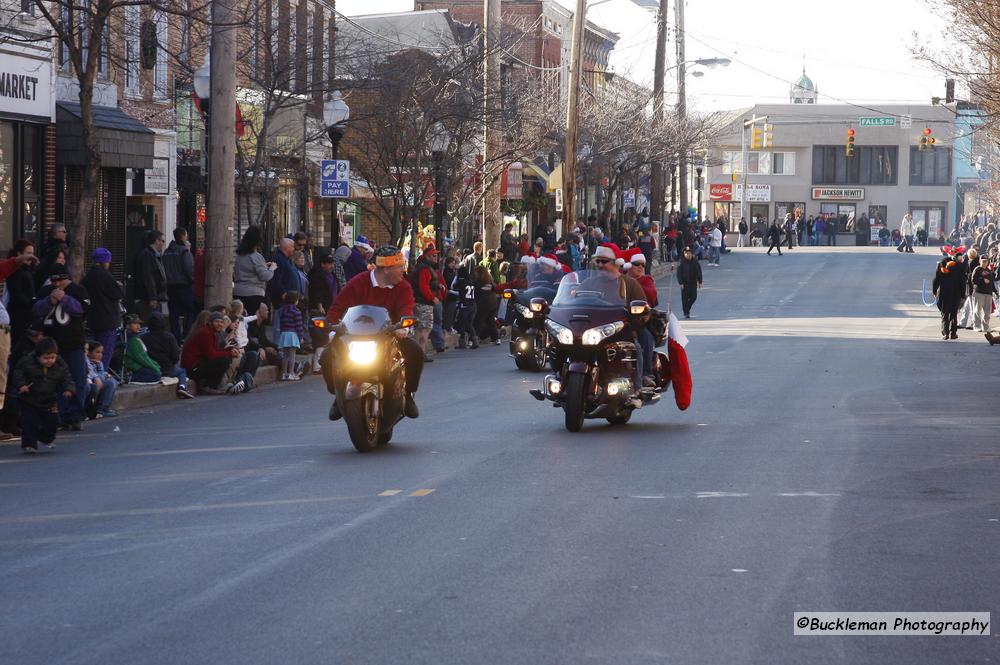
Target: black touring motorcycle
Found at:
x=594, y=351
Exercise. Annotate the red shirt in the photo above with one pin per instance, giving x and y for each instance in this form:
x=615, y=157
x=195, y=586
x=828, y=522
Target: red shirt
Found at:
x=202, y=346
x=7, y=268
x=361, y=290
x=649, y=287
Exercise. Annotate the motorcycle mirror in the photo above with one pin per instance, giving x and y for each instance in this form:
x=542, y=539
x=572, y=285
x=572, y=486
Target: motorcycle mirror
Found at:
x=638, y=307
x=407, y=322
x=538, y=304
x=508, y=294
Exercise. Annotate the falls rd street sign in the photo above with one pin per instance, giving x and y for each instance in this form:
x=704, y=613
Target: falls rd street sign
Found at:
x=878, y=121
x=335, y=179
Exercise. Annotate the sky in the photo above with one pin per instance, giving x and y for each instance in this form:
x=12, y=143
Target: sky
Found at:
x=857, y=51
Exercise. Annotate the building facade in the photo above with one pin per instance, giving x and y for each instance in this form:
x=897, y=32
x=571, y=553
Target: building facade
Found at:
x=27, y=130
x=806, y=169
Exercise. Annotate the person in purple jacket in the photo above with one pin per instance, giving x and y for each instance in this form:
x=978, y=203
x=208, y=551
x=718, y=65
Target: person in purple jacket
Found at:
x=357, y=263
x=62, y=308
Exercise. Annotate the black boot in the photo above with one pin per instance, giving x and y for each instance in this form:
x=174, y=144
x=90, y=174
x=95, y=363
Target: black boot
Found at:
x=410, y=409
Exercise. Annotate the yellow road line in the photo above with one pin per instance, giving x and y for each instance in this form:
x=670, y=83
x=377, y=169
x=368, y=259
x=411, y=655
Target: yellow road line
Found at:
x=389, y=493
x=421, y=493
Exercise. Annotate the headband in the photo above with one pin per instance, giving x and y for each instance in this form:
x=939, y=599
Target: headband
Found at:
x=390, y=261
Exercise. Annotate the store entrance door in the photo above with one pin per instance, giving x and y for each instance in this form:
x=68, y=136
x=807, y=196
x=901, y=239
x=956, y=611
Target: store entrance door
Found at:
x=929, y=218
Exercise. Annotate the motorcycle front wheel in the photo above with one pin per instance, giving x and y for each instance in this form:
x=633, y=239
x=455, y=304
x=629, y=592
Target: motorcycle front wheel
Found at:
x=362, y=418
x=576, y=397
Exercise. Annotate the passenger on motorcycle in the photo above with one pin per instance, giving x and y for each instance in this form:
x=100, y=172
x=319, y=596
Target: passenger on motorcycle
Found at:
x=604, y=260
x=548, y=273
x=383, y=286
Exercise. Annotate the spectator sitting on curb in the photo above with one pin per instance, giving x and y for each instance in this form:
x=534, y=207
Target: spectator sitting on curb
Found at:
x=38, y=380
x=141, y=369
x=101, y=387
x=204, y=359
x=245, y=366
x=163, y=350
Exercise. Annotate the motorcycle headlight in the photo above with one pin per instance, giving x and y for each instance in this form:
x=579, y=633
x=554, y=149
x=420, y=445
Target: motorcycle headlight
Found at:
x=361, y=353
x=562, y=334
x=524, y=311
x=594, y=336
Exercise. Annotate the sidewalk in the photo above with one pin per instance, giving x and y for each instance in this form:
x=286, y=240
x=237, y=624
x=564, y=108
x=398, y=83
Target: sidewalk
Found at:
x=139, y=396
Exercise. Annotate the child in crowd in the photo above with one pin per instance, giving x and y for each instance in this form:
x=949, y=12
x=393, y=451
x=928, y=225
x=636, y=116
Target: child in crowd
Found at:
x=289, y=320
x=101, y=387
x=142, y=368
x=38, y=379
x=162, y=348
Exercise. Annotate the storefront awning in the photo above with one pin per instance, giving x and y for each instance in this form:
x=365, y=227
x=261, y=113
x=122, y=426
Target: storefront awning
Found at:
x=124, y=142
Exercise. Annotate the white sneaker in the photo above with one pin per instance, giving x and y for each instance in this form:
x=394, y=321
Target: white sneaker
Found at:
x=169, y=380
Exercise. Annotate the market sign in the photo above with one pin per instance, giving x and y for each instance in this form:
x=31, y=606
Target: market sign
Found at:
x=157, y=179
x=25, y=86
x=838, y=193
x=878, y=121
x=756, y=193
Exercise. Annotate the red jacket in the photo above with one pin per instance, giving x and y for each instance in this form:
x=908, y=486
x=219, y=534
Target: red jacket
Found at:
x=424, y=282
x=360, y=291
x=202, y=346
x=7, y=268
x=649, y=286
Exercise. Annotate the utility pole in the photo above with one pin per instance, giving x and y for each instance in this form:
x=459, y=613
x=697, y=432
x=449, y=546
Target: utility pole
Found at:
x=572, y=116
x=659, y=72
x=219, y=245
x=681, y=101
x=492, y=98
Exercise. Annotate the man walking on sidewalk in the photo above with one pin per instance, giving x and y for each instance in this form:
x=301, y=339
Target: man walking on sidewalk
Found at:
x=774, y=236
x=907, y=229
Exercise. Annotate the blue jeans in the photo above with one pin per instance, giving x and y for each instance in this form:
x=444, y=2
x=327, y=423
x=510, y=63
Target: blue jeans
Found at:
x=713, y=255
x=109, y=340
x=178, y=372
x=180, y=303
x=145, y=375
x=71, y=409
x=105, y=396
x=437, y=332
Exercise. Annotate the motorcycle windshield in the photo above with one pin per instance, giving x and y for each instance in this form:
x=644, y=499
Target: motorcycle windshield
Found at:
x=365, y=320
x=591, y=289
x=543, y=276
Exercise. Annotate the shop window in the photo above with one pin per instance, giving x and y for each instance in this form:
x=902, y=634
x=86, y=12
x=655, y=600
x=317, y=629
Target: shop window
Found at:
x=871, y=165
x=8, y=162
x=132, y=50
x=930, y=167
x=783, y=163
x=162, y=44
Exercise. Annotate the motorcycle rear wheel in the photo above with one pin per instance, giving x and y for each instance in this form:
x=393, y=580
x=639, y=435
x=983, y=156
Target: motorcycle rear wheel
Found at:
x=362, y=423
x=576, y=397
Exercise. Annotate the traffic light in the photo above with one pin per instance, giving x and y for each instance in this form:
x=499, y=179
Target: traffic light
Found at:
x=849, y=146
x=756, y=138
x=768, y=135
x=926, y=141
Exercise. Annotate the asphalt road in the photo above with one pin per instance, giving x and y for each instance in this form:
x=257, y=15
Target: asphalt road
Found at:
x=838, y=456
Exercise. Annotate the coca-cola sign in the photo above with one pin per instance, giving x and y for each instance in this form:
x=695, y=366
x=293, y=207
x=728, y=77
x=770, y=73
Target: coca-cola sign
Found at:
x=720, y=192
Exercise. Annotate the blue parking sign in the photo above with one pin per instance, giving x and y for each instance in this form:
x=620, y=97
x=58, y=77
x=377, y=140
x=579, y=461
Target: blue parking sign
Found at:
x=335, y=178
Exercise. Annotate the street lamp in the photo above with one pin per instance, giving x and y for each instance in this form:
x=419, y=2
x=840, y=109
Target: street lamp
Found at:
x=440, y=139
x=335, y=114
x=203, y=89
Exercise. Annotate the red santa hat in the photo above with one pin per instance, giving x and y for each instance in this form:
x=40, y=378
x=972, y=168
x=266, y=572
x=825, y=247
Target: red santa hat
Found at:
x=528, y=259
x=632, y=257
x=609, y=250
x=549, y=260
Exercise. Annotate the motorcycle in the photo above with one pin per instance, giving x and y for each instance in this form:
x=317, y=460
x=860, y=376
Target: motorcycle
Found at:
x=372, y=374
x=529, y=339
x=594, y=351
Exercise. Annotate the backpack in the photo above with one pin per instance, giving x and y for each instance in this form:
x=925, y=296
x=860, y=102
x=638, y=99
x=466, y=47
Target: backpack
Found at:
x=173, y=267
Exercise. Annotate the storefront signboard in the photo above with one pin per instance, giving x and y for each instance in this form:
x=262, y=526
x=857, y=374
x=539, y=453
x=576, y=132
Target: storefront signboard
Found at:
x=838, y=193
x=756, y=193
x=25, y=86
x=158, y=177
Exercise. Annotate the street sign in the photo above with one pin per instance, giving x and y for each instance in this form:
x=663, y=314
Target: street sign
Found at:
x=559, y=200
x=335, y=179
x=906, y=121
x=335, y=189
x=629, y=198
x=878, y=121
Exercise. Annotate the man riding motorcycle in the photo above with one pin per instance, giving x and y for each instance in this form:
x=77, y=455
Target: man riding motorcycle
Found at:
x=383, y=286
x=605, y=261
